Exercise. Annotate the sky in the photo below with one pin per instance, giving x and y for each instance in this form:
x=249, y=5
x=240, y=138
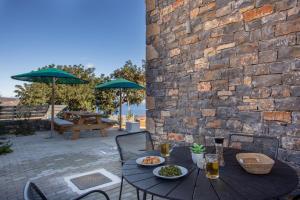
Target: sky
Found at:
x=96, y=33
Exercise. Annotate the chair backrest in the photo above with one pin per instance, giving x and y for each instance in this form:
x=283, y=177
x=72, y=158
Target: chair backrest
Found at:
x=32, y=192
x=131, y=144
x=255, y=143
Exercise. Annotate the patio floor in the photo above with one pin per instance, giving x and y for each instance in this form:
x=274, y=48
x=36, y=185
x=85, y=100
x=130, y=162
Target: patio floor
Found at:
x=49, y=161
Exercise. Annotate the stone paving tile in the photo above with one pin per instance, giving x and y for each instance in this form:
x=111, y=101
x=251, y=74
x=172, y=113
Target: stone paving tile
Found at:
x=48, y=161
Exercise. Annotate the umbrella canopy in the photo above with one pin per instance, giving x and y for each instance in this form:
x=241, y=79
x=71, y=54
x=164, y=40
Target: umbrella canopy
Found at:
x=50, y=76
x=119, y=84
x=47, y=75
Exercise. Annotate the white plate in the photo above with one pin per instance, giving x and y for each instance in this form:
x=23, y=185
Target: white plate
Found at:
x=184, y=172
x=139, y=161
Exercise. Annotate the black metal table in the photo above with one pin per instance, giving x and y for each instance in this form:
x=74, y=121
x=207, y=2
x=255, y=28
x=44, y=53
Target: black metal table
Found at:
x=234, y=182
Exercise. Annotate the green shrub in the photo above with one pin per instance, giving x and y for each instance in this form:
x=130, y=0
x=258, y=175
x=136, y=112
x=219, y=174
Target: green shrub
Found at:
x=5, y=148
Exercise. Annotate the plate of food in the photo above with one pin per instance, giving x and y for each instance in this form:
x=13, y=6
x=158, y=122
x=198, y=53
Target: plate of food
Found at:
x=170, y=172
x=150, y=160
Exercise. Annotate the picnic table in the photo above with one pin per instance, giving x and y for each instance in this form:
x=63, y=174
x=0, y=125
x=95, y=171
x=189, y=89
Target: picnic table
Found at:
x=233, y=184
x=84, y=120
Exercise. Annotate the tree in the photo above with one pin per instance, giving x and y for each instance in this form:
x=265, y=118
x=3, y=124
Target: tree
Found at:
x=77, y=97
x=106, y=99
x=84, y=97
x=135, y=74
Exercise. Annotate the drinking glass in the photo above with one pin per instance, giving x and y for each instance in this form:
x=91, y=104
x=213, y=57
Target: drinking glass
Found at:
x=166, y=147
x=211, y=166
x=219, y=150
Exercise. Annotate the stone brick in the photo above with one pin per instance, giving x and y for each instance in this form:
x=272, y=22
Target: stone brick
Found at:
x=230, y=19
x=174, y=52
x=247, y=107
x=254, y=25
x=280, y=91
x=260, y=93
x=280, y=67
x=219, y=85
x=224, y=10
x=289, y=52
x=211, y=24
x=150, y=103
x=296, y=117
x=194, y=13
x=211, y=75
x=266, y=104
x=277, y=116
x=207, y=7
x=281, y=41
x=285, y=4
x=204, y=86
x=234, y=125
x=208, y=112
x=247, y=48
x=189, y=40
x=295, y=91
x=293, y=13
x=292, y=143
x=245, y=59
x=267, y=32
x=150, y=5
x=258, y=12
x=255, y=35
x=266, y=80
x=267, y=56
x=172, y=92
x=177, y=4
x=287, y=104
x=241, y=37
x=214, y=124
x=201, y=63
x=259, y=69
x=287, y=27
x=167, y=10
x=276, y=17
x=209, y=52
x=220, y=63
x=248, y=81
x=151, y=53
x=249, y=116
x=153, y=29
x=224, y=93
x=225, y=46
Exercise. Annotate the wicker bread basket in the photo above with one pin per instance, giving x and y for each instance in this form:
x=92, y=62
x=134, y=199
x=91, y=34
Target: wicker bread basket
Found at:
x=255, y=163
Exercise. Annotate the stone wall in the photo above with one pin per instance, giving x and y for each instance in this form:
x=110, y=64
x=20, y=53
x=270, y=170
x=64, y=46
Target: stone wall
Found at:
x=216, y=67
x=23, y=127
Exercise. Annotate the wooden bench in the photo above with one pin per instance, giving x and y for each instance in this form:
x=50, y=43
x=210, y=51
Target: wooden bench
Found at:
x=61, y=125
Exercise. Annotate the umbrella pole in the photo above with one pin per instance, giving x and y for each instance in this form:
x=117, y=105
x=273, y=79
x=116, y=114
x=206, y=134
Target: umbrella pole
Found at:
x=52, y=108
x=120, y=113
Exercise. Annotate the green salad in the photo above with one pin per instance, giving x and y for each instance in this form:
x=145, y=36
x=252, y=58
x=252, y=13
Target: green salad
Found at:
x=170, y=171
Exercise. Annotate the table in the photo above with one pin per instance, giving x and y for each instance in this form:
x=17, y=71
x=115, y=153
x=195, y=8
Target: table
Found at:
x=87, y=121
x=234, y=182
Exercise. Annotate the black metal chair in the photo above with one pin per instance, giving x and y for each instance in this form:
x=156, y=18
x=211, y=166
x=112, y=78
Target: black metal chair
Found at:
x=255, y=143
x=130, y=145
x=32, y=192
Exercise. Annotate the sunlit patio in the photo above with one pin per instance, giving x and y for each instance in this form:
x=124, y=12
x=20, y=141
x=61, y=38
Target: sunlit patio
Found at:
x=48, y=162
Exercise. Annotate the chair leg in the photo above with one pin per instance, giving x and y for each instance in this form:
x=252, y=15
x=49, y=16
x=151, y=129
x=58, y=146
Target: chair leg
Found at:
x=138, y=194
x=145, y=196
x=121, y=188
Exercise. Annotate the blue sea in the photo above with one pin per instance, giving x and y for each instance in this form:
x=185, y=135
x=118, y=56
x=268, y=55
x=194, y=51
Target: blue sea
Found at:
x=139, y=110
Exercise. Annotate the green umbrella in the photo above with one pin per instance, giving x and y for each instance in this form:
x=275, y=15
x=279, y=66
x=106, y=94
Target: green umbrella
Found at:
x=50, y=76
x=119, y=84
